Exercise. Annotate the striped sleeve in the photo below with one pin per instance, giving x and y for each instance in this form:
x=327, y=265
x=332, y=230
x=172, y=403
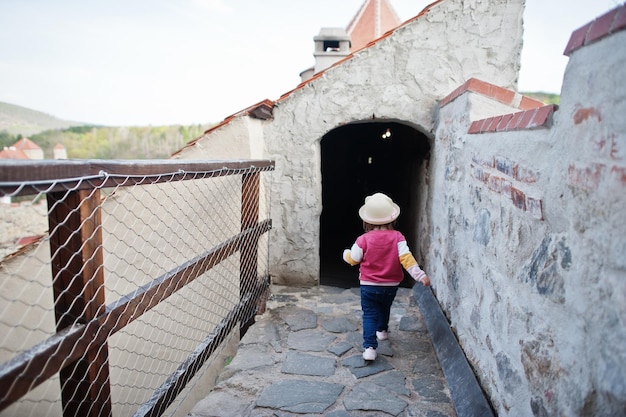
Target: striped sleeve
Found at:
x=406, y=257
x=354, y=255
x=408, y=261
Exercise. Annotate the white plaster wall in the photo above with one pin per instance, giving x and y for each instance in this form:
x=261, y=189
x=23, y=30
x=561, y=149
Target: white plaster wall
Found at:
x=482, y=107
x=539, y=306
x=241, y=138
x=400, y=77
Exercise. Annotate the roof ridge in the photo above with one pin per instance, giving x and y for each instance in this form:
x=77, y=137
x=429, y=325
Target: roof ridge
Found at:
x=356, y=17
x=25, y=143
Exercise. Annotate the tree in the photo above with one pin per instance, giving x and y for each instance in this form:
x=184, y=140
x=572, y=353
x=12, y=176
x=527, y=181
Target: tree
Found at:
x=6, y=139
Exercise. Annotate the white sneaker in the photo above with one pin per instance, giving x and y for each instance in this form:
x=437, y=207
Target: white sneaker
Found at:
x=382, y=335
x=369, y=354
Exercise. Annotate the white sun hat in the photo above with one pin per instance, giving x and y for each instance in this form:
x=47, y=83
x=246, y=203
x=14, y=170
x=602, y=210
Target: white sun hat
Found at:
x=379, y=209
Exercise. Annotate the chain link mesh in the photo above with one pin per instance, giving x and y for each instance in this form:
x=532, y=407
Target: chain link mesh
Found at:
x=151, y=234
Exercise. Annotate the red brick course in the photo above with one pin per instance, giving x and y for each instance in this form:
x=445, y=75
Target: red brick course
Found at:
x=509, y=179
x=519, y=198
x=529, y=119
x=500, y=94
x=605, y=25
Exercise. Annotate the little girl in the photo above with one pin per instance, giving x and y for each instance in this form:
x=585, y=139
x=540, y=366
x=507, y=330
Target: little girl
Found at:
x=382, y=252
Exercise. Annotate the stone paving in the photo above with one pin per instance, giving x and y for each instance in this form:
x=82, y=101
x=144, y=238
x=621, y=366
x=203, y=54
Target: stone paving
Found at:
x=303, y=357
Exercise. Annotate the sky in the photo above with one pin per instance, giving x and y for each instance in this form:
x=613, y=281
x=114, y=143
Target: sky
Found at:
x=163, y=62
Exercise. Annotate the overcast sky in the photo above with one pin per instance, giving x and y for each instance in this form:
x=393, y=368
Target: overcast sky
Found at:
x=141, y=62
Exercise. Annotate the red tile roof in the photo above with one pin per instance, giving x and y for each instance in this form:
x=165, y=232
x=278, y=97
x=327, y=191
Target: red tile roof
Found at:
x=374, y=18
x=28, y=240
x=12, y=153
x=25, y=144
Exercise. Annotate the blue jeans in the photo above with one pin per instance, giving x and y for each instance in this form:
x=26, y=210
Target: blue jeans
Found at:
x=376, y=305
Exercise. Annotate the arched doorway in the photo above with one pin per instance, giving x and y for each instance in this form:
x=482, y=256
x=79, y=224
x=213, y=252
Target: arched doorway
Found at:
x=357, y=160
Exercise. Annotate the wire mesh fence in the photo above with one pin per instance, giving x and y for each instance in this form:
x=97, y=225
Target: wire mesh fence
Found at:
x=127, y=283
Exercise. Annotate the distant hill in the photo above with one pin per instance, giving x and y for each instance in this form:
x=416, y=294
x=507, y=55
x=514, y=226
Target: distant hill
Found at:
x=83, y=141
x=17, y=120
x=547, y=98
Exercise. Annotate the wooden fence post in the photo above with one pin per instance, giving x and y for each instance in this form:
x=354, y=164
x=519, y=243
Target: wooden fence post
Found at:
x=249, y=251
x=78, y=282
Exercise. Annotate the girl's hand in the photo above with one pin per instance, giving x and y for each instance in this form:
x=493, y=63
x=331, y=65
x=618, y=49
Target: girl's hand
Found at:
x=425, y=281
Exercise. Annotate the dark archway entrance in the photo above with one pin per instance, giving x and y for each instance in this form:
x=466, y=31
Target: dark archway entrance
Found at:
x=358, y=161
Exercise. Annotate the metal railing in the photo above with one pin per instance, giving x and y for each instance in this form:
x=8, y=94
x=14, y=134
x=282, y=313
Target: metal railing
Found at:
x=147, y=270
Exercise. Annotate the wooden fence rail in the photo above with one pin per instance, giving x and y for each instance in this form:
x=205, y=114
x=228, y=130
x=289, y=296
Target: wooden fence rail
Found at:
x=78, y=352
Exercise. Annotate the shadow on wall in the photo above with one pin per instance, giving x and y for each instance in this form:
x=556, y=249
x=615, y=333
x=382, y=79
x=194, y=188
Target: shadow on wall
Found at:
x=360, y=159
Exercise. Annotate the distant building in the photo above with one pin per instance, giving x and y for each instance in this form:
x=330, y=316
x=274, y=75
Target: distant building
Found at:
x=30, y=148
x=22, y=149
x=59, y=152
x=27, y=149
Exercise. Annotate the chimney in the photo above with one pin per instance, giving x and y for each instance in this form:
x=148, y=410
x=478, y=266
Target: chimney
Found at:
x=331, y=45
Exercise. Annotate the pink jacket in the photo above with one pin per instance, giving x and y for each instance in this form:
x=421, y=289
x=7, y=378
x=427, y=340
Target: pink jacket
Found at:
x=382, y=254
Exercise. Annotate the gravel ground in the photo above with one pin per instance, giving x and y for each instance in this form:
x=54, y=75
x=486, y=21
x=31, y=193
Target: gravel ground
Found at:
x=20, y=220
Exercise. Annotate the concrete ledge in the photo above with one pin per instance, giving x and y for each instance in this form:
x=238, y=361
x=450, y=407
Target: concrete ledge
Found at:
x=467, y=395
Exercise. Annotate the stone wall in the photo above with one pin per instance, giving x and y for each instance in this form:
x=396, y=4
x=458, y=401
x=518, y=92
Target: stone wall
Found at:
x=400, y=77
x=522, y=205
x=527, y=245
